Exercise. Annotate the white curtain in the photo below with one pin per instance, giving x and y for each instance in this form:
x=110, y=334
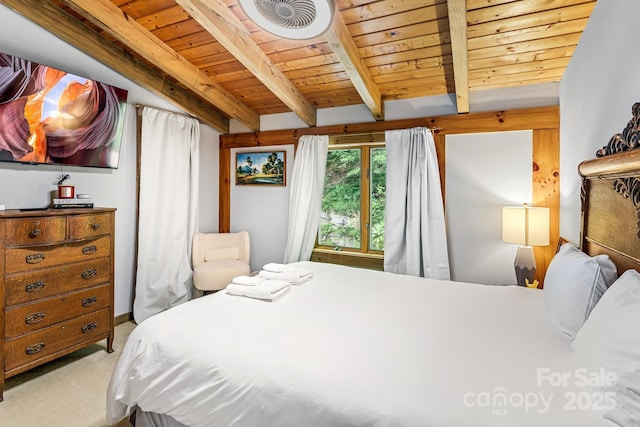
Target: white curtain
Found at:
x=168, y=214
x=415, y=240
x=305, y=197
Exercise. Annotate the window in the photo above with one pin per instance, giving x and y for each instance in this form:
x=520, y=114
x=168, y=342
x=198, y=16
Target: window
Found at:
x=352, y=215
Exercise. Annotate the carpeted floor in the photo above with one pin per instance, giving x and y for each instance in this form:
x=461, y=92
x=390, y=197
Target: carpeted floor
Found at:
x=68, y=392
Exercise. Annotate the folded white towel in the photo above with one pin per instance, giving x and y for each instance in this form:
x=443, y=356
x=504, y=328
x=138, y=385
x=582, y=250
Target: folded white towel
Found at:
x=275, y=267
x=295, y=276
x=248, y=280
x=269, y=290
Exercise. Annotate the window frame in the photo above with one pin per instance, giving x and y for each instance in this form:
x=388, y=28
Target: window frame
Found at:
x=374, y=141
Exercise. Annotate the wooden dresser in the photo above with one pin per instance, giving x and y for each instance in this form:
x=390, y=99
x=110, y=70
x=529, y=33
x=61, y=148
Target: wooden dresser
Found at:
x=56, y=286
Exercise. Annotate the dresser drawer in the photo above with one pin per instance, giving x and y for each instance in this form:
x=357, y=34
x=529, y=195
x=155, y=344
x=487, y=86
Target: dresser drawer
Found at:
x=27, y=259
x=29, y=349
x=82, y=226
x=26, y=287
x=36, y=230
x=31, y=317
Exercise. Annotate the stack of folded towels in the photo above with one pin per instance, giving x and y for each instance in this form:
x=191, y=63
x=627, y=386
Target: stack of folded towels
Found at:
x=258, y=287
x=271, y=283
x=295, y=276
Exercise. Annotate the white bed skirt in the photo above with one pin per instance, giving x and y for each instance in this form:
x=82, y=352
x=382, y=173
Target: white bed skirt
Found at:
x=151, y=419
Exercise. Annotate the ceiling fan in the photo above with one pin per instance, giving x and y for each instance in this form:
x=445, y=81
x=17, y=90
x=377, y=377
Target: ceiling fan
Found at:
x=291, y=19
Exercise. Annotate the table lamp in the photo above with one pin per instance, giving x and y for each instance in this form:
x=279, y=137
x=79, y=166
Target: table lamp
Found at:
x=526, y=226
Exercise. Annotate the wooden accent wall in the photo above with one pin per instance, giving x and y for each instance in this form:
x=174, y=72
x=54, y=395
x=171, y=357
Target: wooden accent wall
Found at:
x=545, y=165
x=546, y=190
x=224, y=194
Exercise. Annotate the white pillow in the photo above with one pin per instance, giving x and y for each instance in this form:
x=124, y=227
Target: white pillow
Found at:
x=573, y=285
x=216, y=254
x=610, y=339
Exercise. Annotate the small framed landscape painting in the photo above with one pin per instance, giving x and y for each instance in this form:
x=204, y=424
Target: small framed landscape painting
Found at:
x=261, y=168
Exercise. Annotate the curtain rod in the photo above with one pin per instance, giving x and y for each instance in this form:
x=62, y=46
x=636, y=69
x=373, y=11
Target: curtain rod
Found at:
x=433, y=129
x=139, y=106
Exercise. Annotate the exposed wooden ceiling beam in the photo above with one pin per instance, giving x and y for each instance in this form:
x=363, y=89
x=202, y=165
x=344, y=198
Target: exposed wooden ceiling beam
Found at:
x=69, y=29
x=348, y=54
x=225, y=27
x=458, y=32
x=112, y=20
x=496, y=121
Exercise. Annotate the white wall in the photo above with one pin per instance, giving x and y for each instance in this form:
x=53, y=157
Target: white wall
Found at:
x=263, y=211
x=30, y=186
x=476, y=190
x=596, y=94
x=209, y=178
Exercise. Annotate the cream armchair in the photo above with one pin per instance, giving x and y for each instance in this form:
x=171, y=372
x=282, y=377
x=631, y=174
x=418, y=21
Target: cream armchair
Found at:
x=219, y=257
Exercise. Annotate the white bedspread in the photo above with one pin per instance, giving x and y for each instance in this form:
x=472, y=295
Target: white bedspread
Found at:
x=355, y=347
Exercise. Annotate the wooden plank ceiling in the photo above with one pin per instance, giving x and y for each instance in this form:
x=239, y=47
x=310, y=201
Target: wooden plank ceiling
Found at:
x=206, y=57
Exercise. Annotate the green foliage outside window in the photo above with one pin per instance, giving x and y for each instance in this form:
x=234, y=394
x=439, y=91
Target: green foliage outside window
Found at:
x=340, y=219
x=378, y=198
x=340, y=223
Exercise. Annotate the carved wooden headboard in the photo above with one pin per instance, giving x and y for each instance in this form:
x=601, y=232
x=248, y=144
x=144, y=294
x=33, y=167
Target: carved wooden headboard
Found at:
x=611, y=198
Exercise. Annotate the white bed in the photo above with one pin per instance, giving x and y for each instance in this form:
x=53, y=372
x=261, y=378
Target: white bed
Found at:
x=355, y=347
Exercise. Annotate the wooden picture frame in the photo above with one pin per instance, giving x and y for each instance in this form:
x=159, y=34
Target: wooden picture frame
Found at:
x=264, y=168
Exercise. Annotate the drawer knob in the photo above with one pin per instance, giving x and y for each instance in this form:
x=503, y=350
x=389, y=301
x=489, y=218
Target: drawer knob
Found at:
x=33, y=349
x=34, y=258
x=95, y=227
x=88, y=327
x=88, y=302
x=35, y=232
x=34, y=287
x=34, y=318
x=88, y=250
x=88, y=274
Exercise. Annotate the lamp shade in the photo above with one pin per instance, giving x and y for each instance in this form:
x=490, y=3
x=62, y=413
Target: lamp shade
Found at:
x=525, y=225
x=291, y=19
